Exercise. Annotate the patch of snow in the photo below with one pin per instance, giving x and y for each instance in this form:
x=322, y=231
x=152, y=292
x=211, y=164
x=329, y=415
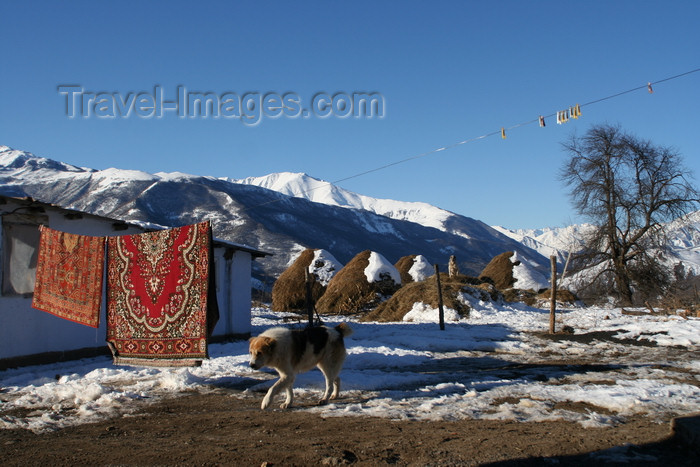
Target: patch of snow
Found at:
x=379, y=268
x=422, y=313
x=324, y=266
x=527, y=277
x=421, y=269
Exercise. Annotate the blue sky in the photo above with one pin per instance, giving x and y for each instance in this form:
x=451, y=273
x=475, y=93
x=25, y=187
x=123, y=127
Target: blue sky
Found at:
x=447, y=71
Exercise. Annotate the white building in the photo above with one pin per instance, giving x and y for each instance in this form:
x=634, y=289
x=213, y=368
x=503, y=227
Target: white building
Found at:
x=28, y=335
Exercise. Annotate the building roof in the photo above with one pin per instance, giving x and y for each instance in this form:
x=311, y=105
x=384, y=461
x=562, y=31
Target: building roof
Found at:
x=119, y=224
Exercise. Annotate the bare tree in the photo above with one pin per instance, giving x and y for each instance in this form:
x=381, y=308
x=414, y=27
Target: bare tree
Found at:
x=628, y=188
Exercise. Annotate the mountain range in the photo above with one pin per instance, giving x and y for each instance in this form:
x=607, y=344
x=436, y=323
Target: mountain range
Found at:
x=284, y=213
x=262, y=213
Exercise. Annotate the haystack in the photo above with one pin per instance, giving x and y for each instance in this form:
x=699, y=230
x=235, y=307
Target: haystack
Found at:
x=425, y=292
x=414, y=268
x=360, y=285
x=289, y=291
x=500, y=271
x=403, y=265
x=563, y=296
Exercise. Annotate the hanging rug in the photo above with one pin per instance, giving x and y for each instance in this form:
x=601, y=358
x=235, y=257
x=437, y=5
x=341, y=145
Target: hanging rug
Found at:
x=159, y=295
x=69, y=276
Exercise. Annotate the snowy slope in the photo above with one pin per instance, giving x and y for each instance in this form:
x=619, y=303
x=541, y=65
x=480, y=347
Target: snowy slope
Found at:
x=304, y=186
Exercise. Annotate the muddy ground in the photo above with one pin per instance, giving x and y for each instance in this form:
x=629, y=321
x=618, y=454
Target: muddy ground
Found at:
x=226, y=427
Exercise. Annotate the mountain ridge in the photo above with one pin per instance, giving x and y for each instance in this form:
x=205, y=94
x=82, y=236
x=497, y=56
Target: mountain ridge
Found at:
x=252, y=215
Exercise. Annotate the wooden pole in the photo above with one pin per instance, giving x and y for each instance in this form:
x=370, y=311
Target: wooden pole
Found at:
x=441, y=310
x=566, y=265
x=308, y=280
x=553, y=294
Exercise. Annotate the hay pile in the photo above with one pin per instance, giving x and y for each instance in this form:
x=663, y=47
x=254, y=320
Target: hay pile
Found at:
x=403, y=265
x=563, y=296
x=414, y=268
x=425, y=291
x=351, y=292
x=500, y=271
x=289, y=291
x=528, y=297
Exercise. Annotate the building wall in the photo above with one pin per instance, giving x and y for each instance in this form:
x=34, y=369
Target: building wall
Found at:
x=240, y=293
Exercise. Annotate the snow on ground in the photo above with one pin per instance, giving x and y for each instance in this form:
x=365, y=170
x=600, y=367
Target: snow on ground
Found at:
x=492, y=365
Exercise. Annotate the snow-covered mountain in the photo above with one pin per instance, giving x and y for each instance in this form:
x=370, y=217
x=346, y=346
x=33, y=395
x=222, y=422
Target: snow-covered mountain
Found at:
x=683, y=235
x=557, y=241
x=344, y=225
x=301, y=185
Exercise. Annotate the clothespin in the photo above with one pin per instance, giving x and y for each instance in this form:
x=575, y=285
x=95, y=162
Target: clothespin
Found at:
x=563, y=116
x=542, y=125
x=651, y=91
x=503, y=133
x=578, y=110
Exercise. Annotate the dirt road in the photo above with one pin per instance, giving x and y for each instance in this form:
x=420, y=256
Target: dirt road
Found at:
x=226, y=427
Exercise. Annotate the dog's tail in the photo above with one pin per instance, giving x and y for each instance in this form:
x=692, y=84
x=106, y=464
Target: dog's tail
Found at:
x=344, y=329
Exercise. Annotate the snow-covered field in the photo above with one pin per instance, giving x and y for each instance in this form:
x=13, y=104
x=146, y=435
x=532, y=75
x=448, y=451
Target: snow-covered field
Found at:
x=492, y=365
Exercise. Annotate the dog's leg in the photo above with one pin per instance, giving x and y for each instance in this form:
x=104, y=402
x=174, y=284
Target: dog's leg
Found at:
x=327, y=392
x=285, y=382
x=271, y=393
x=332, y=382
x=336, y=388
x=289, y=388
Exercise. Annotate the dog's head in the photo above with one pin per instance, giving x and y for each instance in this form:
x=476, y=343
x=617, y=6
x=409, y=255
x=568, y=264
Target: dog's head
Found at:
x=260, y=350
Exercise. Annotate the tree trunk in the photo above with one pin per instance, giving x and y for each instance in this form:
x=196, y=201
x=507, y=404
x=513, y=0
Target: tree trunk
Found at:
x=623, y=283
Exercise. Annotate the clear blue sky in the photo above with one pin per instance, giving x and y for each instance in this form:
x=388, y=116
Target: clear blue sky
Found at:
x=448, y=71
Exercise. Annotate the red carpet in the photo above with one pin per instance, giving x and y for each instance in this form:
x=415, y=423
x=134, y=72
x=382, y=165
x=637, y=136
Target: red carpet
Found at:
x=69, y=276
x=159, y=295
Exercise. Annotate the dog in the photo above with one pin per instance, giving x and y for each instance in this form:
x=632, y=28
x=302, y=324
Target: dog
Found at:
x=295, y=351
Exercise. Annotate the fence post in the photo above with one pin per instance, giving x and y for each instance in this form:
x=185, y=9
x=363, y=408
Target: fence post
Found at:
x=553, y=294
x=308, y=280
x=441, y=311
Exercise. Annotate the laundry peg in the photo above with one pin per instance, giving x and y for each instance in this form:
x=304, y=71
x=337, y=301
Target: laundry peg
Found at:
x=649, y=88
x=503, y=133
x=542, y=125
x=562, y=116
x=578, y=110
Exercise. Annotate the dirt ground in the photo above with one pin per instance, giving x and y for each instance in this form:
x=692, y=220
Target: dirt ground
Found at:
x=225, y=427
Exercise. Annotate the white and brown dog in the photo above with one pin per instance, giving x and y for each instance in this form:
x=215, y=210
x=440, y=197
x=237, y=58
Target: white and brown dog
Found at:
x=295, y=351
